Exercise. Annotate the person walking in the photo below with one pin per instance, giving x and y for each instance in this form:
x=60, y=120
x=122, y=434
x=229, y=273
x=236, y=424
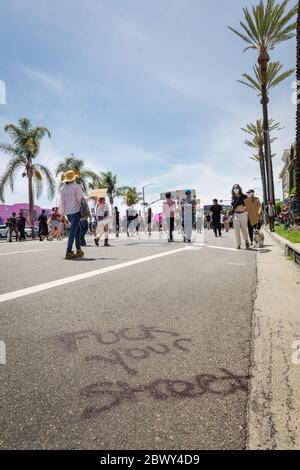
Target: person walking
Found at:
x=21, y=223
x=117, y=221
x=149, y=220
x=131, y=215
x=199, y=220
x=270, y=212
x=12, y=227
x=70, y=199
x=215, y=211
x=226, y=222
x=240, y=216
x=43, y=225
x=187, y=206
x=84, y=226
x=169, y=207
x=103, y=219
x=208, y=220
x=253, y=207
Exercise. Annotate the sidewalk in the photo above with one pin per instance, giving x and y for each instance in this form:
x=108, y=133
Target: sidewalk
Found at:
x=274, y=404
x=290, y=249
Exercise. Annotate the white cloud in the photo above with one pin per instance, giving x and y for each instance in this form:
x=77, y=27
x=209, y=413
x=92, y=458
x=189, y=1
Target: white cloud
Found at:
x=44, y=79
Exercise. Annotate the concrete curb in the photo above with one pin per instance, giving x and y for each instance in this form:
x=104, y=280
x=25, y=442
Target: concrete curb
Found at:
x=289, y=248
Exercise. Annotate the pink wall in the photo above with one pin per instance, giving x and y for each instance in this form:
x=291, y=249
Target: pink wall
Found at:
x=7, y=210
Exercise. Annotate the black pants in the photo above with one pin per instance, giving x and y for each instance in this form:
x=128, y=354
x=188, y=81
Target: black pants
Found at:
x=216, y=225
x=22, y=233
x=171, y=225
x=271, y=221
x=84, y=226
x=251, y=230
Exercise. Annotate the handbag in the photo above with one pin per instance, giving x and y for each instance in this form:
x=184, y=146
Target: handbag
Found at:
x=84, y=209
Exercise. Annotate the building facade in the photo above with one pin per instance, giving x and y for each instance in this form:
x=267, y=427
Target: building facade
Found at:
x=287, y=174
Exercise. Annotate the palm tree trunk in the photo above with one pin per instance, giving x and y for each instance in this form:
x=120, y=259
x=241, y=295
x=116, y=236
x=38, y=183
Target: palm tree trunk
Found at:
x=30, y=199
x=297, y=163
x=263, y=175
x=263, y=64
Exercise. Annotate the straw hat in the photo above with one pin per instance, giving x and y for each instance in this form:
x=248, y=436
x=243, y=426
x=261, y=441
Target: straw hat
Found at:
x=70, y=176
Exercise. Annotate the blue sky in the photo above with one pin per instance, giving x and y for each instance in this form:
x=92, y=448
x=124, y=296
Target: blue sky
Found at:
x=147, y=89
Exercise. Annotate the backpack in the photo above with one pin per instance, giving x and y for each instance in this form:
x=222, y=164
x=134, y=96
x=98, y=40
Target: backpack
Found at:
x=84, y=209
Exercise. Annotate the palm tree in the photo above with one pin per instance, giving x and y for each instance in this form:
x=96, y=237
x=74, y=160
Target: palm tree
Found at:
x=297, y=167
x=275, y=76
x=23, y=149
x=109, y=181
x=85, y=178
x=132, y=196
x=256, y=131
x=267, y=26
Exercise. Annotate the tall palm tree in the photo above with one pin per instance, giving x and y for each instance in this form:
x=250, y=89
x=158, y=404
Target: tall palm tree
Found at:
x=132, y=196
x=108, y=180
x=297, y=168
x=266, y=27
x=256, y=131
x=275, y=76
x=24, y=149
x=72, y=163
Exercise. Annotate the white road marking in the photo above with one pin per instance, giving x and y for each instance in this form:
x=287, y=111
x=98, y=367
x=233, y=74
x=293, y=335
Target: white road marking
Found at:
x=67, y=280
x=18, y=252
x=216, y=247
x=236, y=264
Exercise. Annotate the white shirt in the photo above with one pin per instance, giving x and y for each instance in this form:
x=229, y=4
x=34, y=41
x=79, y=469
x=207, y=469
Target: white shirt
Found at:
x=101, y=209
x=70, y=199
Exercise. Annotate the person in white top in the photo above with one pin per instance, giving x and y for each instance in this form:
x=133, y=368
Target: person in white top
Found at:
x=103, y=217
x=70, y=198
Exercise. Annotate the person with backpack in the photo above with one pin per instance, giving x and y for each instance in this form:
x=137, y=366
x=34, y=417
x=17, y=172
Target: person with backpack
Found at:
x=70, y=201
x=21, y=223
x=12, y=227
x=43, y=225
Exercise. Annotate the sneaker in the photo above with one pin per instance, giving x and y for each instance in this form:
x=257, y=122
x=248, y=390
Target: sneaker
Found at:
x=79, y=254
x=96, y=240
x=70, y=255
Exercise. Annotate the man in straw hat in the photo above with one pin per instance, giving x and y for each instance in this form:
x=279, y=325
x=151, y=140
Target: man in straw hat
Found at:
x=70, y=199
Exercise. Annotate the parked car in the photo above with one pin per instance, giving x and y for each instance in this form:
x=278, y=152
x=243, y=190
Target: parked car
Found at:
x=28, y=231
x=3, y=231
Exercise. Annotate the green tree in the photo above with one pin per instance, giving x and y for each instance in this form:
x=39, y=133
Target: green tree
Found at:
x=24, y=149
x=108, y=180
x=256, y=131
x=297, y=164
x=265, y=27
x=131, y=196
x=86, y=177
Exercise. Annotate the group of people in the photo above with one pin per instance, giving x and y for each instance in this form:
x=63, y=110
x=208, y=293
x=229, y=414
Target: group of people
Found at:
x=72, y=216
x=287, y=214
x=16, y=226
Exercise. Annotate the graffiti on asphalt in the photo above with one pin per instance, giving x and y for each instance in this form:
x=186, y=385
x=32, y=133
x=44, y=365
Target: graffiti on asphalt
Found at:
x=125, y=356
x=110, y=395
x=70, y=341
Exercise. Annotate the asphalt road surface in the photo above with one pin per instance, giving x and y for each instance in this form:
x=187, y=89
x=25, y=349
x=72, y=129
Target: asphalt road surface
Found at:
x=144, y=345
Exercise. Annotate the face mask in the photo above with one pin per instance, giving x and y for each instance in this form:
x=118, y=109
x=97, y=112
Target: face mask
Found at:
x=236, y=191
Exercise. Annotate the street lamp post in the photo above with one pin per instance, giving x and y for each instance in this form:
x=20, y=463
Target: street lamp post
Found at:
x=146, y=186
